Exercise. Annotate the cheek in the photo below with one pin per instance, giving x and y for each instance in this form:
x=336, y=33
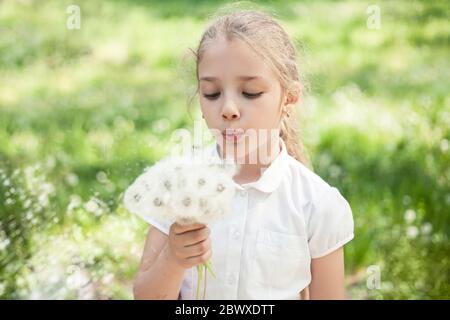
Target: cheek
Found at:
x=264, y=111
x=205, y=105
x=209, y=111
x=209, y=107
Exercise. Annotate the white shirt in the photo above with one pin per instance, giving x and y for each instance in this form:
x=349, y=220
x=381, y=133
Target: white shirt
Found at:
x=278, y=223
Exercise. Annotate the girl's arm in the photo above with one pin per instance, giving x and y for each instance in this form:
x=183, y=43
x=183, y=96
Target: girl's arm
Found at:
x=328, y=277
x=159, y=276
x=166, y=258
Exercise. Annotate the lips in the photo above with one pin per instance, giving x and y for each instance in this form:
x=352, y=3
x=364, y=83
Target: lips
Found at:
x=232, y=134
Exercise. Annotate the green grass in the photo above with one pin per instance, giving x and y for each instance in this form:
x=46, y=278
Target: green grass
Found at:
x=82, y=112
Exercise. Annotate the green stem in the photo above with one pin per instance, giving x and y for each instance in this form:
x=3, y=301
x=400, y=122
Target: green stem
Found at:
x=209, y=267
x=205, y=267
x=204, y=287
x=199, y=280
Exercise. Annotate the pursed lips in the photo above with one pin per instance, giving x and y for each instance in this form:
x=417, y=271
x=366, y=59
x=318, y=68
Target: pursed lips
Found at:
x=232, y=134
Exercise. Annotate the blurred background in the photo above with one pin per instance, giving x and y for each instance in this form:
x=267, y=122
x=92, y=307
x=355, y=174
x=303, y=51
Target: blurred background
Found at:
x=84, y=110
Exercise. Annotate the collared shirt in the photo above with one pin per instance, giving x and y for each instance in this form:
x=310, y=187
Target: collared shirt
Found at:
x=263, y=249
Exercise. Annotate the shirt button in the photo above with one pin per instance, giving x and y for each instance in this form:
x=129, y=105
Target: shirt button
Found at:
x=231, y=279
x=243, y=193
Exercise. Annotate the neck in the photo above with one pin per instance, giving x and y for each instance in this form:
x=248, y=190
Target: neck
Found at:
x=250, y=172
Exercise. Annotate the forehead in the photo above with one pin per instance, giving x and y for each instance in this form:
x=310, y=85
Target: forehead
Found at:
x=233, y=59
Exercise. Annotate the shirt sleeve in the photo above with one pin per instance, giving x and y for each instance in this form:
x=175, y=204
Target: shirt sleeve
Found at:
x=330, y=224
x=161, y=224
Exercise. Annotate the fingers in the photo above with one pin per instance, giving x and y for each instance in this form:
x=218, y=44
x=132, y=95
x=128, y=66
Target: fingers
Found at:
x=190, y=244
x=192, y=237
x=198, y=248
x=179, y=228
x=200, y=258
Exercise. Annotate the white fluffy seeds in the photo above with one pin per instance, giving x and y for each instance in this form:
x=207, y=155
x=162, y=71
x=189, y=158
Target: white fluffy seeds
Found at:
x=184, y=189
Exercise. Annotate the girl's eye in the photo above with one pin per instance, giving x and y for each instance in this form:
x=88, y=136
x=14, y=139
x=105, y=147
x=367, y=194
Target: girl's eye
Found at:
x=252, y=95
x=212, y=96
x=249, y=95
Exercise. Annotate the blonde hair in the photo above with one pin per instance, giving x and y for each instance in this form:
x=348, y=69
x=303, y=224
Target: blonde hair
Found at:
x=267, y=38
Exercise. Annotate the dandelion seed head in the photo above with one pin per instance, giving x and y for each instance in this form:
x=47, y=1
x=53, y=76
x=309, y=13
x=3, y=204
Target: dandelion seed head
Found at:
x=158, y=202
x=91, y=206
x=183, y=189
x=167, y=184
x=71, y=179
x=95, y=206
x=426, y=228
x=187, y=201
x=444, y=145
x=101, y=177
x=202, y=203
x=412, y=232
x=220, y=187
x=410, y=216
x=27, y=203
x=4, y=243
x=75, y=202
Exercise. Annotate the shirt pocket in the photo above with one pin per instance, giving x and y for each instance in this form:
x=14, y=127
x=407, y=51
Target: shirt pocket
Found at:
x=280, y=261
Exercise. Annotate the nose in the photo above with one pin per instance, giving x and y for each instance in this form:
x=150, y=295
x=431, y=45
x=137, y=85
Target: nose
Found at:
x=230, y=111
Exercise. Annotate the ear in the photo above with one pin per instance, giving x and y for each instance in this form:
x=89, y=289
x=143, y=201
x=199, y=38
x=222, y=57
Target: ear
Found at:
x=292, y=97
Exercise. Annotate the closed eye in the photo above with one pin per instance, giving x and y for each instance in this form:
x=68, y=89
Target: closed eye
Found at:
x=248, y=95
x=252, y=95
x=212, y=96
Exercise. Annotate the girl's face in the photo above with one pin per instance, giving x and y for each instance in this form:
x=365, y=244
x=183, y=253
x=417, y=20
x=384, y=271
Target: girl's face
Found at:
x=238, y=91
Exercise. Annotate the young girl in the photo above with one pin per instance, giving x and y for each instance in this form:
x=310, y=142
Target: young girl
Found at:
x=284, y=237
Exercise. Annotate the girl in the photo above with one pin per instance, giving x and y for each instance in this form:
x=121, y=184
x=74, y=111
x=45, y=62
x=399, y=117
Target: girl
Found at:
x=284, y=237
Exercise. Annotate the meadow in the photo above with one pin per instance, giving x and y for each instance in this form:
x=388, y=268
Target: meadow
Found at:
x=83, y=111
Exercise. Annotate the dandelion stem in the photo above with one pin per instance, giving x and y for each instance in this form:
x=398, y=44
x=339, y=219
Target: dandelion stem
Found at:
x=199, y=280
x=203, y=269
x=204, y=287
x=209, y=267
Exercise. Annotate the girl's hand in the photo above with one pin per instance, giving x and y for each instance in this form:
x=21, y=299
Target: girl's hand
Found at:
x=189, y=245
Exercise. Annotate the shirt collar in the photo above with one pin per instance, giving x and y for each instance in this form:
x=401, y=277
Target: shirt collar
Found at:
x=271, y=177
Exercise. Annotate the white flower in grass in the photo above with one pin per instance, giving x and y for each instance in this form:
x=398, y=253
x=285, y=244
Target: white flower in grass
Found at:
x=91, y=206
x=426, y=228
x=410, y=216
x=412, y=232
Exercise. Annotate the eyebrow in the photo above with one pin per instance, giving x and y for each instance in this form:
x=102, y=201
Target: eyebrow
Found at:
x=246, y=78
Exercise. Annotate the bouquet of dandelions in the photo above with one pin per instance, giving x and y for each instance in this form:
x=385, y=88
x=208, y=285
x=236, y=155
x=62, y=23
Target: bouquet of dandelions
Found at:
x=185, y=189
